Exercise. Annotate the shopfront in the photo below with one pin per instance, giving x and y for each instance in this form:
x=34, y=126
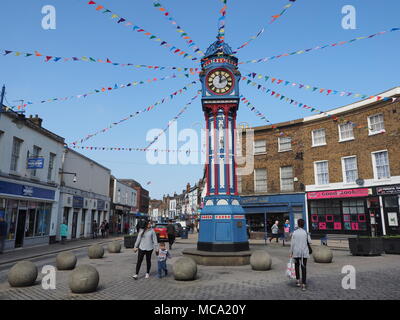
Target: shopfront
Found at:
x=390, y=200
x=27, y=211
x=263, y=211
x=348, y=211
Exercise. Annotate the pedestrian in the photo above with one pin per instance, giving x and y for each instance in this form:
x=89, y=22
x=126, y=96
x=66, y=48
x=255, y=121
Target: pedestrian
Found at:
x=63, y=231
x=126, y=227
x=102, y=229
x=286, y=230
x=94, y=229
x=3, y=233
x=299, y=250
x=106, y=228
x=163, y=255
x=275, y=231
x=146, y=242
x=171, y=234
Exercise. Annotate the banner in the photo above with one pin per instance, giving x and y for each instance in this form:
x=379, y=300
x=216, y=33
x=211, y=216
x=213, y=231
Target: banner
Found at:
x=139, y=29
x=174, y=119
x=310, y=108
x=309, y=87
x=274, y=18
x=100, y=90
x=48, y=58
x=183, y=34
x=149, y=108
x=319, y=47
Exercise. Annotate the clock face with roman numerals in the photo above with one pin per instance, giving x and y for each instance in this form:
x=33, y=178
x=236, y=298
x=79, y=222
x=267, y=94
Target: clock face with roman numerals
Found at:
x=220, y=81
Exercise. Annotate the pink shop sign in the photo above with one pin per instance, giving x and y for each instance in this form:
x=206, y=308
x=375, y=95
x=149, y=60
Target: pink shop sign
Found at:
x=347, y=193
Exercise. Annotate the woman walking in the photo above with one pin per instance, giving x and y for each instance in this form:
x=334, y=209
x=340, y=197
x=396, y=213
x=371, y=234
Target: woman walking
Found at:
x=146, y=242
x=299, y=250
x=286, y=230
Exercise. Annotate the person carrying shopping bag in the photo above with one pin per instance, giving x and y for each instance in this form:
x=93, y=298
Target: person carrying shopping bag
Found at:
x=300, y=251
x=146, y=242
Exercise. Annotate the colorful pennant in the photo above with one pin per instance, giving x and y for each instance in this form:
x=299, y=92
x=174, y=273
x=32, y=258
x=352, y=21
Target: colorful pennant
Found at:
x=174, y=119
x=307, y=87
x=274, y=18
x=139, y=29
x=101, y=90
x=221, y=22
x=319, y=47
x=149, y=108
x=183, y=34
x=48, y=58
x=131, y=149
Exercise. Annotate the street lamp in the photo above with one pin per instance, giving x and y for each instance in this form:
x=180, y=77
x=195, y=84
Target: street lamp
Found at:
x=63, y=172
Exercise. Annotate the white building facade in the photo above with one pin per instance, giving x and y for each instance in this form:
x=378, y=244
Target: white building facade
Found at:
x=30, y=160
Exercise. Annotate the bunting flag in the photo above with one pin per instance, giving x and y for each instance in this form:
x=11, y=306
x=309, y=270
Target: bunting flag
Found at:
x=101, y=90
x=119, y=20
x=307, y=87
x=274, y=18
x=173, y=120
x=188, y=151
x=263, y=117
x=183, y=34
x=311, y=108
x=146, y=109
x=221, y=22
x=319, y=47
x=48, y=58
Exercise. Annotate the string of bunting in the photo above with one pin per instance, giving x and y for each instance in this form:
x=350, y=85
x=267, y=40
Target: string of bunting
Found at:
x=188, y=151
x=183, y=34
x=146, y=109
x=174, y=119
x=308, y=87
x=319, y=47
x=274, y=18
x=101, y=90
x=48, y=58
x=263, y=117
x=311, y=108
x=139, y=29
x=221, y=22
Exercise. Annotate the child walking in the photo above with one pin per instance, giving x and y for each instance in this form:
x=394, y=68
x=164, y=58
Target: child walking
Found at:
x=163, y=255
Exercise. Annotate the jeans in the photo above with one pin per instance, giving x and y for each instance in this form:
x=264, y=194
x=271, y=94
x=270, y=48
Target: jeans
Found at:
x=141, y=255
x=162, y=266
x=297, y=263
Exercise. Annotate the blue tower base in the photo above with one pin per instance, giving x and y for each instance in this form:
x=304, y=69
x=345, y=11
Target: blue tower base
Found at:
x=222, y=225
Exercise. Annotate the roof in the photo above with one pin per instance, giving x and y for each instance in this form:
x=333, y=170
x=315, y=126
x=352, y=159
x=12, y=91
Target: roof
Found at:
x=217, y=46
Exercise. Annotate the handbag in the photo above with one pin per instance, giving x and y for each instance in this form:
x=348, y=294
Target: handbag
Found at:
x=290, y=271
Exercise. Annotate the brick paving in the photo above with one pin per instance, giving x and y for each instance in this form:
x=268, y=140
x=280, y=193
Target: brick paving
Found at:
x=377, y=278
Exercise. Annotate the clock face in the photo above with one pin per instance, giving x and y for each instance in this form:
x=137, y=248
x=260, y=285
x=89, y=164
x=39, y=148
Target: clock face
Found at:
x=220, y=81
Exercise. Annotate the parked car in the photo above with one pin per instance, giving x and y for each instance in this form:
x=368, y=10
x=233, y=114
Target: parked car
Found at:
x=178, y=229
x=161, y=231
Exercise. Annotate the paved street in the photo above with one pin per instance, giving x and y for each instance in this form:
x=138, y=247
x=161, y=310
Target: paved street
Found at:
x=377, y=278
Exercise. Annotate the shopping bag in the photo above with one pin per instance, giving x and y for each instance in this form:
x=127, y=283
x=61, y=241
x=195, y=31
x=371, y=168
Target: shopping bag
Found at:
x=290, y=271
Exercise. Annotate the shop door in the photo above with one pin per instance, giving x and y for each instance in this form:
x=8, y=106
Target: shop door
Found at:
x=19, y=237
x=281, y=217
x=74, y=224
x=391, y=209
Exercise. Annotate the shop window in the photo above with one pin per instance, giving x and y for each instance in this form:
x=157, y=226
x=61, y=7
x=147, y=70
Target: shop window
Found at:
x=354, y=217
x=43, y=219
x=326, y=215
x=391, y=202
x=12, y=214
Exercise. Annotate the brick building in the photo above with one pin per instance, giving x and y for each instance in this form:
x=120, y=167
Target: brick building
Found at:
x=143, y=198
x=342, y=170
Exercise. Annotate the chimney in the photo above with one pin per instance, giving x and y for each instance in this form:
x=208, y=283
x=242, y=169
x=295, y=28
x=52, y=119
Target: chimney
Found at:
x=36, y=120
x=188, y=187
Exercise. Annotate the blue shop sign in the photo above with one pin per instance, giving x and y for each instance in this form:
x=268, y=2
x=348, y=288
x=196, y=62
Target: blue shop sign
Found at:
x=16, y=189
x=35, y=163
x=77, y=202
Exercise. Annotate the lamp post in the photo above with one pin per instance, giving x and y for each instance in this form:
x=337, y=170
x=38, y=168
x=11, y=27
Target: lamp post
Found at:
x=74, y=173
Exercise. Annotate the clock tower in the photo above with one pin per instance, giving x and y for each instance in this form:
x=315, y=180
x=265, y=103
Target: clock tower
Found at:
x=222, y=219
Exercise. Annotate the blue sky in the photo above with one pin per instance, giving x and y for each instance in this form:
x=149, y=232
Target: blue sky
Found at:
x=366, y=66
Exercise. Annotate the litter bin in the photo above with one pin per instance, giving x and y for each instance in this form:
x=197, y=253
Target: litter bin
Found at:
x=184, y=233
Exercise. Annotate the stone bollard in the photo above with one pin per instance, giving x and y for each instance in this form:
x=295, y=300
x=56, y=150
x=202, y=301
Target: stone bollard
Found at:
x=66, y=261
x=114, y=247
x=23, y=274
x=96, y=252
x=260, y=260
x=84, y=279
x=185, y=269
x=322, y=254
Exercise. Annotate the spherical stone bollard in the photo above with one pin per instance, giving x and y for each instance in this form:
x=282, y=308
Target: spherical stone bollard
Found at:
x=260, y=260
x=66, y=261
x=322, y=254
x=185, y=269
x=114, y=247
x=22, y=274
x=96, y=252
x=84, y=279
